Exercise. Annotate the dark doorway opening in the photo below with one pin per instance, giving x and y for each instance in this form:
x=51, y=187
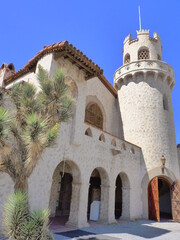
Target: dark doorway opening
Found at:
x=94, y=190
x=118, y=198
x=63, y=208
x=159, y=199
x=165, y=207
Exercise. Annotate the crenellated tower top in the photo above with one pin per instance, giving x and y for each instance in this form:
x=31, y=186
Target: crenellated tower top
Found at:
x=143, y=55
x=142, y=47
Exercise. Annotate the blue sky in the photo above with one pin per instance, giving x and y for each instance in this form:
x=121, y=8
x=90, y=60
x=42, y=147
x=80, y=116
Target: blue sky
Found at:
x=96, y=27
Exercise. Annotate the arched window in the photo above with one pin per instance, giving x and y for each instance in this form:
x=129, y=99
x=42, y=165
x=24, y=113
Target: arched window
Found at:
x=132, y=150
x=127, y=59
x=143, y=54
x=102, y=138
x=94, y=115
x=113, y=142
x=88, y=132
x=159, y=57
x=123, y=146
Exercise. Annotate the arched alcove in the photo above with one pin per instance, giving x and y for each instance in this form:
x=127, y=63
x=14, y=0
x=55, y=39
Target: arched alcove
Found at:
x=102, y=138
x=98, y=195
x=123, y=146
x=127, y=58
x=63, y=194
x=113, y=142
x=88, y=132
x=122, y=196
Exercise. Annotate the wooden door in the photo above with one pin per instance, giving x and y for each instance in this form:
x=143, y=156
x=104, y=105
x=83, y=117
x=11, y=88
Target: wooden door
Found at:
x=153, y=200
x=176, y=200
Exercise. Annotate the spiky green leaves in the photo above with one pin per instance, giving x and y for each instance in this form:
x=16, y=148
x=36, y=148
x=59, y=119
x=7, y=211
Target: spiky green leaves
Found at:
x=52, y=134
x=35, y=127
x=37, y=226
x=4, y=124
x=24, y=97
x=55, y=96
x=22, y=224
x=16, y=214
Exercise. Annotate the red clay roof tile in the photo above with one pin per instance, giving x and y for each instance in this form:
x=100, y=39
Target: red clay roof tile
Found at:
x=67, y=49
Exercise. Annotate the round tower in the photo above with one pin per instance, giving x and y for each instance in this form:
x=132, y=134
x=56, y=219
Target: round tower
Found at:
x=144, y=85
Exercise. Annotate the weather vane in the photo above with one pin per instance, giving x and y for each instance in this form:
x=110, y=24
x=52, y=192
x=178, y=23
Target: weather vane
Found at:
x=139, y=18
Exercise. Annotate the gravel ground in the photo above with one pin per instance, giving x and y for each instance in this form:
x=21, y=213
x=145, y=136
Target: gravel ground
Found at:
x=134, y=230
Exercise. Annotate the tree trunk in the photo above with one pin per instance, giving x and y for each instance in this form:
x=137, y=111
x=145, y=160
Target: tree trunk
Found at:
x=21, y=184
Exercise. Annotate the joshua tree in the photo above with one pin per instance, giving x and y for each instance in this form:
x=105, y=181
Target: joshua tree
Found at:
x=29, y=123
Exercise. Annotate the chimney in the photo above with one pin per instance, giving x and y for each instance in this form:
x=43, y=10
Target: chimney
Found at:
x=6, y=70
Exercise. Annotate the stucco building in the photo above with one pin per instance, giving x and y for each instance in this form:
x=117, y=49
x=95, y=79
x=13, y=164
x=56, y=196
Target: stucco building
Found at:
x=117, y=156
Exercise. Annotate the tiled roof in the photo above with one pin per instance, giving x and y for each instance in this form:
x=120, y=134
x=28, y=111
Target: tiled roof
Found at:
x=74, y=55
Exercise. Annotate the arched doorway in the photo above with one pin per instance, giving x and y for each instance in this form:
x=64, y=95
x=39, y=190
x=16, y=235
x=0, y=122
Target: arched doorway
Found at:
x=118, y=198
x=64, y=195
x=122, y=197
x=159, y=199
x=94, y=194
x=98, y=195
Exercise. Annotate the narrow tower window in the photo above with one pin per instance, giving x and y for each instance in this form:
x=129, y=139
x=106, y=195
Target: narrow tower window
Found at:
x=127, y=59
x=159, y=57
x=143, y=54
x=165, y=102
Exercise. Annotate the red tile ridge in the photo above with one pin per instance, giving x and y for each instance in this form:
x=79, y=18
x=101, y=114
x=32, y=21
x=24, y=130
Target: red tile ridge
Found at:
x=68, y=49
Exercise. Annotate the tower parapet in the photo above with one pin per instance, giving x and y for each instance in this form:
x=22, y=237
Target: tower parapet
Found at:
x=143, y=55
x=151, y=46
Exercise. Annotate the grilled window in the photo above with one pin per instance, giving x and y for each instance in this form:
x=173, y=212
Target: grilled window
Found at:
x=143, y=54
x=94, y=115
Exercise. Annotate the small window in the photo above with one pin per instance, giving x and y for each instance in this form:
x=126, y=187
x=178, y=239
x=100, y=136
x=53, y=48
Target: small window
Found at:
x=102, y=138
x=123, y=146
x=143, y=54
x=113, y=142
x=132, y=150
x=165, y=102
x=94, y=115
x=127, y=59
x=88, y=132
x=159, y=57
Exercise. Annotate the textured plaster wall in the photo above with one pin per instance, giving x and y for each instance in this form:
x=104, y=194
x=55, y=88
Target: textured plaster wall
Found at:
x=6, y=187
x=147, y=124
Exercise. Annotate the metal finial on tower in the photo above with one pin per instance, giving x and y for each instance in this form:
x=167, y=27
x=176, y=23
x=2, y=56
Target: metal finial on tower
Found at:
x=139, y=18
